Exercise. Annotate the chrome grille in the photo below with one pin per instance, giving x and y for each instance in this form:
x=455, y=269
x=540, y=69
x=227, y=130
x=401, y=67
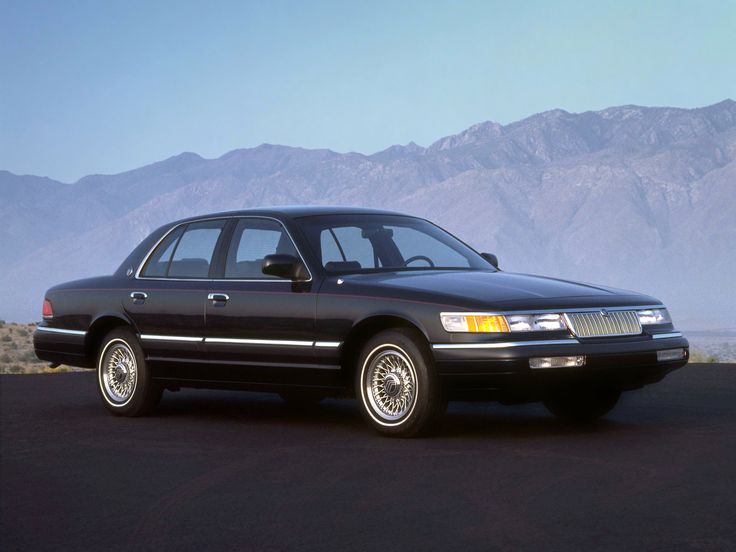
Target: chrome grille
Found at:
x=598, y=324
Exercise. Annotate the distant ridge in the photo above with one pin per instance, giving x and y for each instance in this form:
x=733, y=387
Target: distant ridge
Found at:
x=637, y=197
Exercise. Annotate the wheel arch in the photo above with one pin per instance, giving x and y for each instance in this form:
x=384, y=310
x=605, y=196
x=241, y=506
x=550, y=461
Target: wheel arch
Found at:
x=364, y=330
x=101, y=326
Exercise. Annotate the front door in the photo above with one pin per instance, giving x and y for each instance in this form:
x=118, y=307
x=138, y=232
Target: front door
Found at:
x=260, y=328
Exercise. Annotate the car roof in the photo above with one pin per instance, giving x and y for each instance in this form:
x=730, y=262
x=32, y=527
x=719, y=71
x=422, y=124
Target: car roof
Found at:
x=292, y=211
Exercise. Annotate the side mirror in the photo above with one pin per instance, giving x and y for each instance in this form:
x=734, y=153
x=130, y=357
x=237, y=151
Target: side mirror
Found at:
x=491, y=258
x=284, y=266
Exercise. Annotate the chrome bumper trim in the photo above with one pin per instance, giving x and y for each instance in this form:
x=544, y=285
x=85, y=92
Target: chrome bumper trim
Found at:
x=504, y=344
x=60, y=330
x=666, y=335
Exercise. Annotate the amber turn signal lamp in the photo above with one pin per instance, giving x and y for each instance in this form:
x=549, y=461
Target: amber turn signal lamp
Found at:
x=487, y=324
x=474, y=322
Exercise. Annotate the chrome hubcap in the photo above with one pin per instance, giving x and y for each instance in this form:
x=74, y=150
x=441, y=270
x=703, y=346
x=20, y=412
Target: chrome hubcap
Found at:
x=119, y=372
x=391, y=385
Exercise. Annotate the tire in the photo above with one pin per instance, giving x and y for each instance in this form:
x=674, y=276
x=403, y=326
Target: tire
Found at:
x=396, y=386
x=583, y=405
x=123, y=378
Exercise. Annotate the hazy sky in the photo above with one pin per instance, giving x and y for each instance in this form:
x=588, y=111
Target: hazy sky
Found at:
x=102, y=87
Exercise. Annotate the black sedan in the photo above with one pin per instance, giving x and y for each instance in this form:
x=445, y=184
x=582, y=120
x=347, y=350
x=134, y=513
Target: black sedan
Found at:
x=314, y=302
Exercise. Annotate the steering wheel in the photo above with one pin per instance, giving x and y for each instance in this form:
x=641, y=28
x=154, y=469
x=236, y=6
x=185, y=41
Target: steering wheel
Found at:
x=410, y=260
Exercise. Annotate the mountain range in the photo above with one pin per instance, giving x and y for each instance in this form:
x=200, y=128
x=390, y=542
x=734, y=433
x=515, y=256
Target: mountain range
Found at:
x=635, y=197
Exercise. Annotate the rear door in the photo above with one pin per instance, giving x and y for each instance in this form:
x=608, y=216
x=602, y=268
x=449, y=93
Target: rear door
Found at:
x=260, y=328
x=167, y=302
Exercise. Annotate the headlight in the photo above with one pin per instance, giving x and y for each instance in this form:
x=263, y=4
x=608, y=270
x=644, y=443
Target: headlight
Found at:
x=496, y=323
x=535, y=322
x=654, y=316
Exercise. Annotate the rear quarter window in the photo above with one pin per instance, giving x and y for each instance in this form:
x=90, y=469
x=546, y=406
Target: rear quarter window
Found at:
x=158, y=263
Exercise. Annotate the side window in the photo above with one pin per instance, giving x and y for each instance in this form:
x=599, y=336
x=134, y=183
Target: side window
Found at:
x=193, y=254
x=158, y=263
x=252, y=240
x=347, y=245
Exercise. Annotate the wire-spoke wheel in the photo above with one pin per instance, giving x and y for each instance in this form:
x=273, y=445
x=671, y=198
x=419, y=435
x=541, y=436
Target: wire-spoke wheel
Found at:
x=119, y=371
x=396, y=386
x=124, y=380
x=391, y=384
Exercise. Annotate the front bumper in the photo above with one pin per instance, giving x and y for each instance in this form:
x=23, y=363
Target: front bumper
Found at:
x=500, y=368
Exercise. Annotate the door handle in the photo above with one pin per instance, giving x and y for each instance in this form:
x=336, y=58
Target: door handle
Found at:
x=218, y=297
x=138, y=297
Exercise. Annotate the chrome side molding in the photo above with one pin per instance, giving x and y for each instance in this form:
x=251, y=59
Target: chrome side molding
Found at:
x=327, y=344
x=235, y=341
x=244, y=341
x=151, y=337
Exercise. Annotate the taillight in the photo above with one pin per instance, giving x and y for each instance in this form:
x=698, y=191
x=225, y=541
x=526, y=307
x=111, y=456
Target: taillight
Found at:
x=48, y=311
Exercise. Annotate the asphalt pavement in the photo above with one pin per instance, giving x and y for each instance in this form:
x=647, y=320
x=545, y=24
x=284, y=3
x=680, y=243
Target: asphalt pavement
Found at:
x=214, y=470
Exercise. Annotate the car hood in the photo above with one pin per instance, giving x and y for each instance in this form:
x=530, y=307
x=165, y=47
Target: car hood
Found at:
x=487, y=289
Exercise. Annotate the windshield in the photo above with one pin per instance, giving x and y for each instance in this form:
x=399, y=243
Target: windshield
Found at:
x=371, y=243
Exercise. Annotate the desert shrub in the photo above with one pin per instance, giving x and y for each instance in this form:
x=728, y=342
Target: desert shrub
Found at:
x=6, y=338
x=5, y=358
x=701, y=357
x=29, y=356
x=15, y=369
x=2, y=323
x=23, y=332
